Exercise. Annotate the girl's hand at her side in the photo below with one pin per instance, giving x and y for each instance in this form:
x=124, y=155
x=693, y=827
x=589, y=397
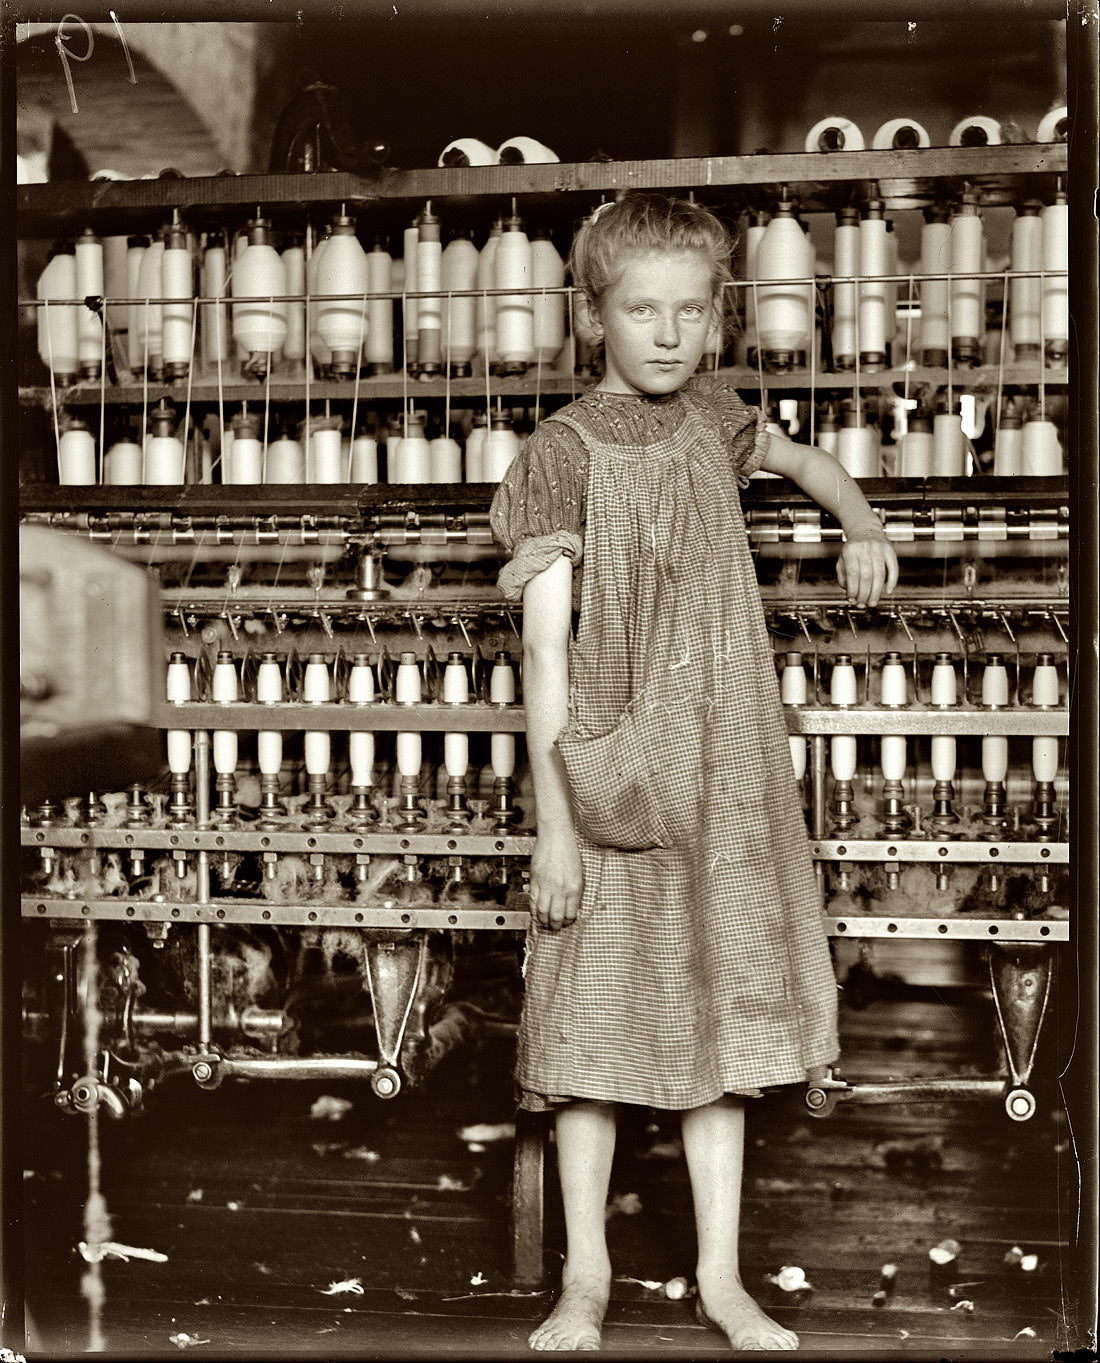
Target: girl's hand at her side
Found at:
x=868, y=567
x=557, y=878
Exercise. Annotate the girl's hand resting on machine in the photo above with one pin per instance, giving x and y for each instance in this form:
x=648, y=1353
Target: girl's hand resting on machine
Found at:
x=557, y=878
x=867, y=568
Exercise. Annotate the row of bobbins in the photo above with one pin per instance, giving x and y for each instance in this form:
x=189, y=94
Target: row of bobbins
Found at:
x=944, y=695
x=317, y=688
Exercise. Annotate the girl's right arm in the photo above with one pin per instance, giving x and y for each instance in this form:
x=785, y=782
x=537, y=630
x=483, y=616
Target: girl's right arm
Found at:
x=557, y=877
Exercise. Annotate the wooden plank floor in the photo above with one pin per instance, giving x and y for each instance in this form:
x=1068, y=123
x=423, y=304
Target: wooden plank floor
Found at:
x=260, y=1209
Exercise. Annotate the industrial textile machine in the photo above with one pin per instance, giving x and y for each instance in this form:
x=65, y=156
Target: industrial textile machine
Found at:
x=276, y=809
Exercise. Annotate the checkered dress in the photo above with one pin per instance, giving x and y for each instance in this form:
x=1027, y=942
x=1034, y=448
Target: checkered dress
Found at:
x=698, y=964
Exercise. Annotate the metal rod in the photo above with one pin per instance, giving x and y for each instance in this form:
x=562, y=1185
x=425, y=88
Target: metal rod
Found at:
x=817, y=785
x=303, y=1067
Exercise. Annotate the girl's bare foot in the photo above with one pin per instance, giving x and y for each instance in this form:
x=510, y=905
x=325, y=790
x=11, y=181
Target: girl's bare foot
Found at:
x=575, y=1321
x=725, y=1305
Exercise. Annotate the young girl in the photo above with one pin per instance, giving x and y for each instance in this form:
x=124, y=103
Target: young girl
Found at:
x=676, y=956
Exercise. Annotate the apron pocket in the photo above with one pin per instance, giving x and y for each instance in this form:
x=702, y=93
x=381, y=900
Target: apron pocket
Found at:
x=637, y=786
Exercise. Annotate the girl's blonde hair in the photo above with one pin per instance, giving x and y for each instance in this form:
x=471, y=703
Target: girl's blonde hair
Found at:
x=644, y=220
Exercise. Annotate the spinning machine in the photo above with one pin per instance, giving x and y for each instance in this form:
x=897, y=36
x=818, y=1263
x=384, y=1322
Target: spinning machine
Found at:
x=339, y=816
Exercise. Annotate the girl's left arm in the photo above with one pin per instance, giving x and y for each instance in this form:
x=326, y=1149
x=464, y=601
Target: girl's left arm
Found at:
x=868, y=566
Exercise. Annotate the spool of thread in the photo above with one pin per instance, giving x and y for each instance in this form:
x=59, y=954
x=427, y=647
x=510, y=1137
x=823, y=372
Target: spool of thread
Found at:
x=994, y=682
x=525, y=151
x=456, y=682
x=164, y=453
x=269, y=681
x=178, y=679
x=122, y=464
x=213, y=319
x=842, y=757
x=1055, y=281
x=846, y=262
x=429, y=276
x=412, y=460
x=945, y=685
x=88, y=259
x=793, y=691
x=1008, y=445
x=379, y=349
x=1041, y=450
x=475, y=449
x=294, y=262
x=246, y=461
x=915, y=450
x=410, y=307
x=286, y=461
x=834, y=134
x=784, y=313
x=502, y=444
x=76, y=456
x=486, y=310
x=502, y=746
x=935, y=259
x=407, y=691
x=900, y=134
x=892, y=757
x=944, y=757
x=407, y=687
x=459, y=274
x=224, y=690
x=515, y=314
x=456, y=755
x=976, y=131
x=1025, y=293
x=364, y=458
x=857, y=448
x=467, y=151
x=326, y=463
x=842, y=683
x=1044, y=758
x=875, y=326
x=995, y=759
x=317, y=690
x=1054, y=125
x=949, y=446
x=445, y=460
x=361, y=755
x=176, y=316
x=409, y=749
x=502, y=680
x=177, y=692
x=150, y=333
x=894, y=683
x=135, y=253
x=547, y=272
x=57, y=324
x=115, y=286
x=341, y=322
x=269, y=691
x=1044, y=682
x=792, y=680
x=360, y=742
x=259, y=327
x=967, y=291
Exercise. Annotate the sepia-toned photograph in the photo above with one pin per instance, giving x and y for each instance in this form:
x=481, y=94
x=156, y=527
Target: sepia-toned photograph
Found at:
x=551, y=802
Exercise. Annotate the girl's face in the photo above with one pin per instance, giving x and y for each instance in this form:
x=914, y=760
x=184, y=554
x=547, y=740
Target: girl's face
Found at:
x=654, y=321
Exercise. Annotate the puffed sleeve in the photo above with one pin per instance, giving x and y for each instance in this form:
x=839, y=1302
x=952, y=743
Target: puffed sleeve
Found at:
x=742, y=427
x=538, y=511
